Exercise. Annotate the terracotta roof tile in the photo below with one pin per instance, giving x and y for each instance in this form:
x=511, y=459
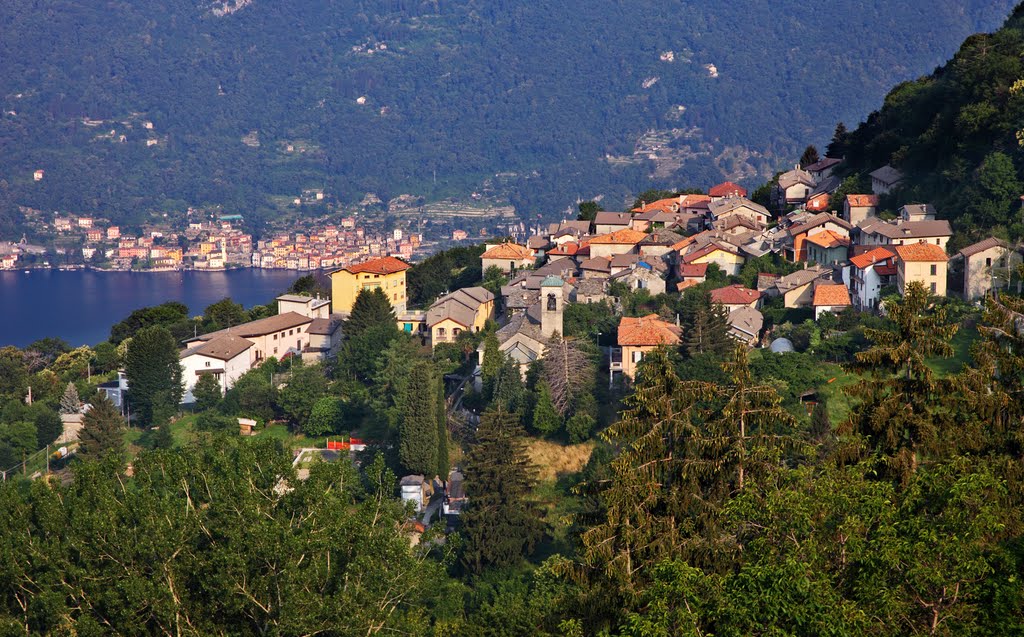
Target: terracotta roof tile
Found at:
x=647, y=330
x=831, y=295
x=734, y=295
x=878, y=255
x=626, y=236
x=921, y=252
x=727, y=189
x=512, y=251
x=693, y=270
x=384, y=265
x=862, y=201
x=829, y=239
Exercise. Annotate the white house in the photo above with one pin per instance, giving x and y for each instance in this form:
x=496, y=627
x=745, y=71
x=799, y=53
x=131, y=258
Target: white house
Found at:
x=226, y=357
x=869, y=273
x=885, y=179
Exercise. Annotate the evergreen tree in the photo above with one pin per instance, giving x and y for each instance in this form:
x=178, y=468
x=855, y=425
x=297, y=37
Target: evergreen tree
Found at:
x=546, y=419
x=371, y=308
x=708, y=332
x=161, y=437
x=102, y=433
x=491, y=364
x=501, y=522
x=49, y=427
x=306, y=386
x=508, y=387
x=809, y=157
x=153, y=371
x=588, y=210
x=70, y=402
x=441, y=405
x=821, y=425
x=206, y=392
x=900, y=418
x=225, y=313
x=418, y=444
x=840, y=141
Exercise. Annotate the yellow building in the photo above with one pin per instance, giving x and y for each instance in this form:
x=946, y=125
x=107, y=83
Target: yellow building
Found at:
x=724, y=255
x=924, y=262
x=465, y=310
x=638, y=336
x=386, y=273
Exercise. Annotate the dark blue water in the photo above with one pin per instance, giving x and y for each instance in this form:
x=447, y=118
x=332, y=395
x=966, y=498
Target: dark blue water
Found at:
x=81, y=306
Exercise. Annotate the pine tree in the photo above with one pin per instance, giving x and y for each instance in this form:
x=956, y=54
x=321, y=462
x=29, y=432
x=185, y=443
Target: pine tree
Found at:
x=900, y=419
x=371, y=308
x=546, y=419
x=508, y=387
x=491, y=364
x=652, y=493
x=102, y=433
x=206, y=392
x=161, y=437
x=708, y=332
x=153, y=371
x=569, y=373
x=809, y=157
x=49, y=427
x=441, y=405
x=840, y=142
x=417, y=448
x=70, y=402
x=501, y=522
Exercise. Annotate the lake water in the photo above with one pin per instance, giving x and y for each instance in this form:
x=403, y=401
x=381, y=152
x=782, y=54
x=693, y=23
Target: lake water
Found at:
x=80, y=306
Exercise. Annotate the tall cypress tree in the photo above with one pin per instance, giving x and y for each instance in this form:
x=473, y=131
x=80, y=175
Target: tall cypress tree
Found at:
x=441, y=407
x=102, y=434
x=417, y=444
x=153, y=371
x=502, y=524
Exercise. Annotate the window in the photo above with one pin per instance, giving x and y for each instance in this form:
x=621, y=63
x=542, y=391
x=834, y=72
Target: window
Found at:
x=290, y=332
x=275, y=337
x=441, y=332
x=638, y=356
x=937, y=242
x=275, y=351
x=934, y=269
x=207, y=363
x=988, y=262
x=933, y=288
x=456, y=332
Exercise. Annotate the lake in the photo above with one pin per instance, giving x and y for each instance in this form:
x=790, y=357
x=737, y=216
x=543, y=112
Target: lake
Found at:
x=80, y=306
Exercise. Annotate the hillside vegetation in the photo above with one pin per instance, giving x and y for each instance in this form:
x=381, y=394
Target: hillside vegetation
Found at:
x=253, y=99
x=957, y=135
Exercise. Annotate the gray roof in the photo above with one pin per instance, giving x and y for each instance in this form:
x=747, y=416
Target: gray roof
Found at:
x=612, y=219
x=269, y=325
x=822, y=164
x=460, y=306
x=597, y=264
x=324, y=327
x=829, y=184
x=910, y=229
x=223, y=347
x=728, y=204
x=300, y=298
x=981, y=246
x=887, y=175
x=590, y=287
x=747, y=320
x=819, y=219
x=661, y=237
x=794, y=177
x=918, y=209
x=801, y=277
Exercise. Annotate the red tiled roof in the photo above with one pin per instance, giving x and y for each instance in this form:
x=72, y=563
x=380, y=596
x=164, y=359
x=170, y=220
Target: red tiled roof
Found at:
x=566, y=249
x=688, y=283
x=647, y=330
x=860, y=201
x=512, y=251
x=693, y=270
x=877, y=255
x=921, y=252
x=626, y=236
x=384, y=265
x=734, y=295
x=831, y=295
x=727, y=189
x=829, y=239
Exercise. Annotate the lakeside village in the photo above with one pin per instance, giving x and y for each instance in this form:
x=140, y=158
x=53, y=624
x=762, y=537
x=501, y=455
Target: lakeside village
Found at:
x=210, y=241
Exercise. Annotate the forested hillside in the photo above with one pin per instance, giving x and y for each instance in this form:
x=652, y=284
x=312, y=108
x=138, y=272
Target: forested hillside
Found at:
x=248, y=100
x=957, y=136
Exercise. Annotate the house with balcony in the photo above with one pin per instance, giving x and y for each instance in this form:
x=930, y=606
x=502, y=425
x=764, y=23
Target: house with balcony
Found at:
x=639, y=335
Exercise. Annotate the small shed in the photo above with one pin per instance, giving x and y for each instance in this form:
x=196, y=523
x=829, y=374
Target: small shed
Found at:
x=246, y=427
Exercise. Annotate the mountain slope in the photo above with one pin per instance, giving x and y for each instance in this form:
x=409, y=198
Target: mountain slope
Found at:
x=392, y=97
x=957, y=135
